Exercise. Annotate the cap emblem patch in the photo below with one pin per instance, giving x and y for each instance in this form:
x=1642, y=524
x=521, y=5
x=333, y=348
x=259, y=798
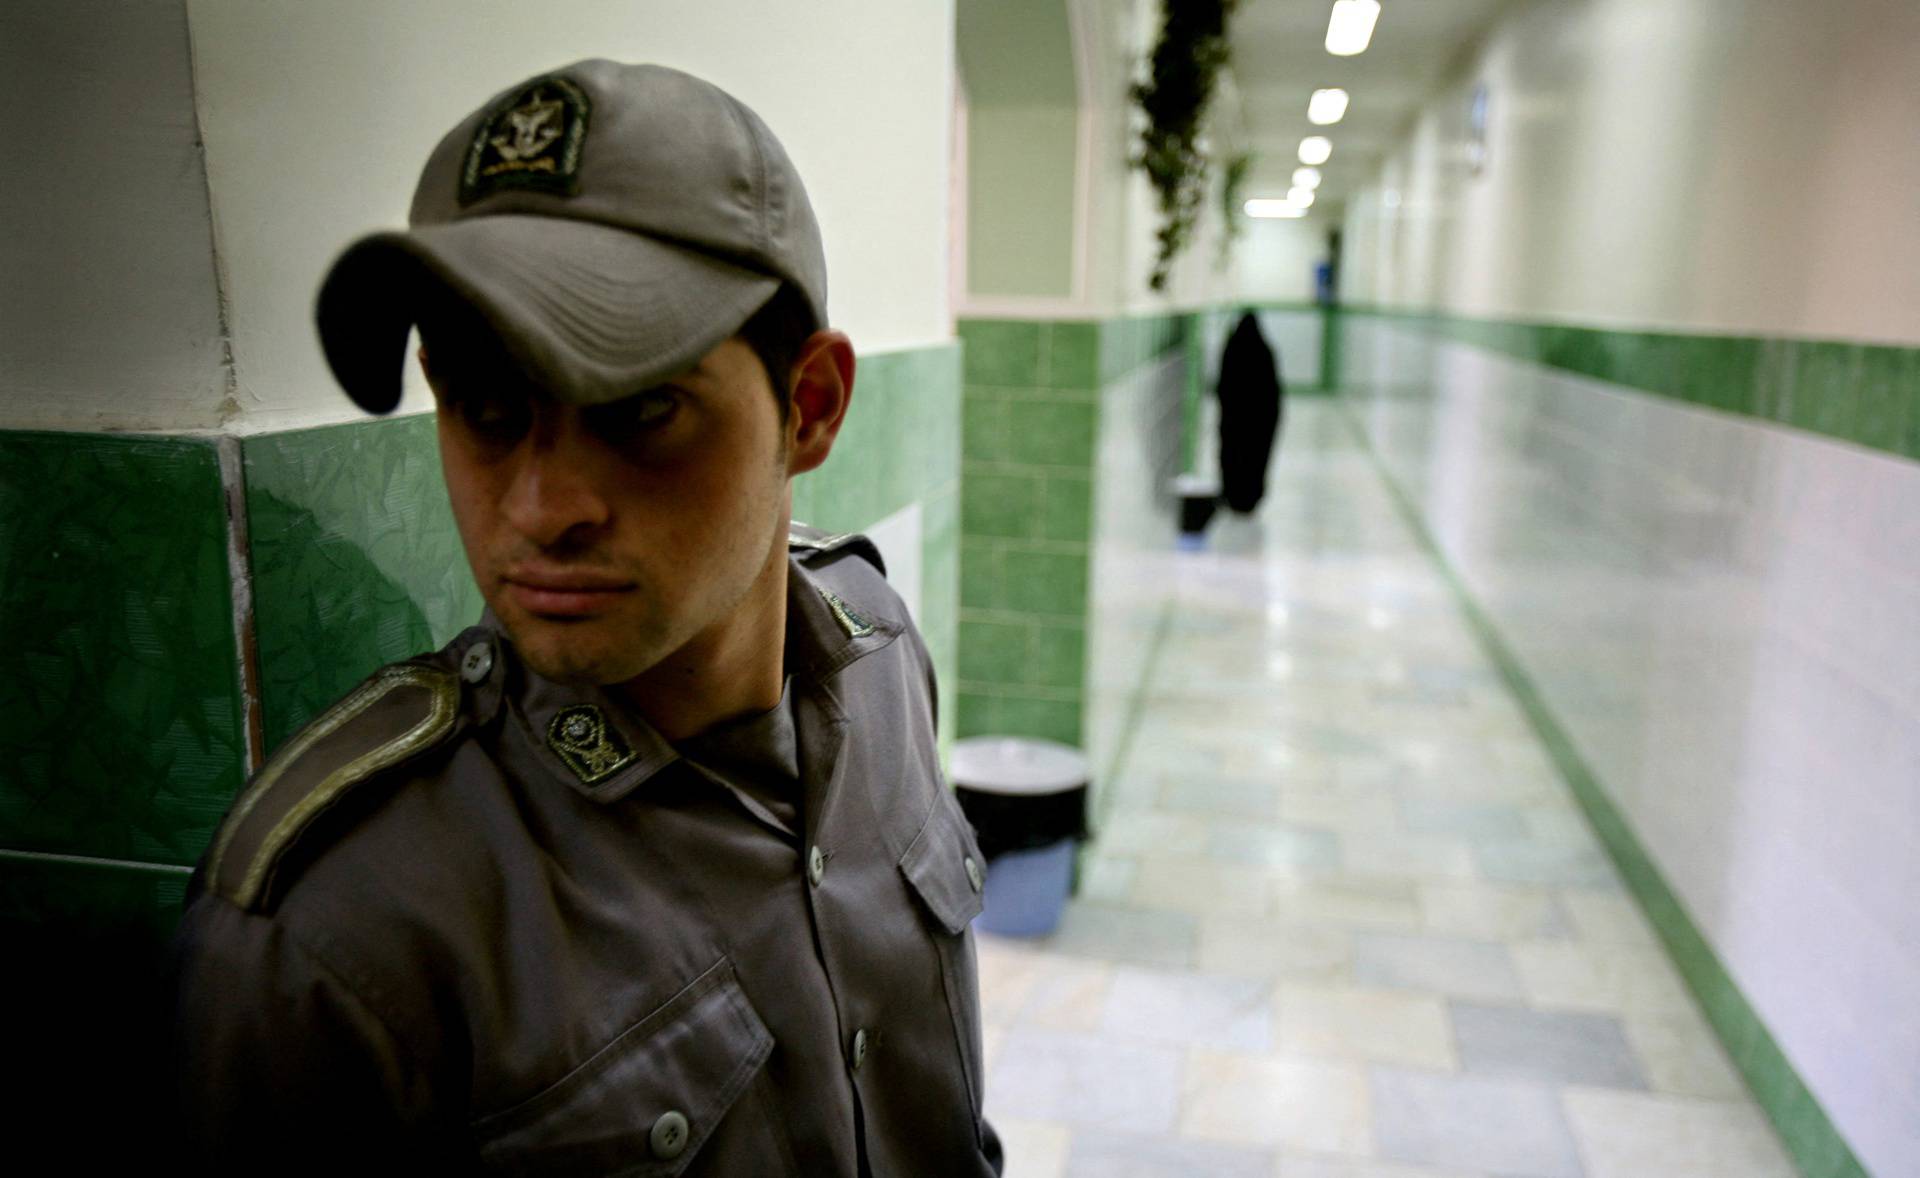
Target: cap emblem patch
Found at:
x=531, y=139
x=591, y=747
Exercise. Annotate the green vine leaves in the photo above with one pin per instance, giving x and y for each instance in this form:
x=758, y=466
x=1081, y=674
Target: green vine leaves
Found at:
x=1185, y=65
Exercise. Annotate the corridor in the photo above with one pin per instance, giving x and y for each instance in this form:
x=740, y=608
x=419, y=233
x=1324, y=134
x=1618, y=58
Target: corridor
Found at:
x=1342, y=918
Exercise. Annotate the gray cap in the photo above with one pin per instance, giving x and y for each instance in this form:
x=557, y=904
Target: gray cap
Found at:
x=611, y=223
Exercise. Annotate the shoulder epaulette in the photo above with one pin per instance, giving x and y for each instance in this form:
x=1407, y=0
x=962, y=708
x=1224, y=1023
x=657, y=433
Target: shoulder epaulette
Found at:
x=813, y=542
x=399, y=712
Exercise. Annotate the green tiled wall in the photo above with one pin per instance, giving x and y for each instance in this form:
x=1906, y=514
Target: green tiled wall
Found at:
x=121, y=736
x=356, y=562
x=1031, y=412
x=120, y=714
x=900, y=446
x=1867, y=394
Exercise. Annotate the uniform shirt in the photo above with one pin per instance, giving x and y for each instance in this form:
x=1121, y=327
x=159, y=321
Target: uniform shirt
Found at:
x=543, y=941
x=758, y=758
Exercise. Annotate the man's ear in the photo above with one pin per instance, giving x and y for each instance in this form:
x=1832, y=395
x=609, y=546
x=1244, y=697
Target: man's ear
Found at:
x=822, y=384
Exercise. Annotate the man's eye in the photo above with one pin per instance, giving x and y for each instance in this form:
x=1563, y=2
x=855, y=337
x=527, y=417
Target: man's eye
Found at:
x=494, y=420
x=630, y=417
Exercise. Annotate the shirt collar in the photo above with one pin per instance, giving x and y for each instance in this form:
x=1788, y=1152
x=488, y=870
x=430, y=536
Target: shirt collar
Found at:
x=584, y=736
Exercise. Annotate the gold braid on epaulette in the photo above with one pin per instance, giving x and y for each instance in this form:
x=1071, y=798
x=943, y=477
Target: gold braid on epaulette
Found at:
x=244, y=879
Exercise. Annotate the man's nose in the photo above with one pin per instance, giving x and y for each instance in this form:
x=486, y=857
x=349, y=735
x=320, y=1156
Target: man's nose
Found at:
x=553, y=492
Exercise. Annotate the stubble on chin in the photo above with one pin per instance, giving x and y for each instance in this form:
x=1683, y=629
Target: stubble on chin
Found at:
x=587, y=654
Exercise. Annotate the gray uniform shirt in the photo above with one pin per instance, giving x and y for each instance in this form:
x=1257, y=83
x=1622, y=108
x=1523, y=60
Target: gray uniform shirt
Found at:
x=535, y=938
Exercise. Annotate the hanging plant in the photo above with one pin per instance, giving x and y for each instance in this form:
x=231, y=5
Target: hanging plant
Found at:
x=1233, y=182
x=1186, y=62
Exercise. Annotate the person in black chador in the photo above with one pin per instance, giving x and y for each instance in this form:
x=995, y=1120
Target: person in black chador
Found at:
x=1250, y=394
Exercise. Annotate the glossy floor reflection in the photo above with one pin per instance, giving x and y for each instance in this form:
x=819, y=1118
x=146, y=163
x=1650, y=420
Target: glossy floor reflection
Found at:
x=1342, y=918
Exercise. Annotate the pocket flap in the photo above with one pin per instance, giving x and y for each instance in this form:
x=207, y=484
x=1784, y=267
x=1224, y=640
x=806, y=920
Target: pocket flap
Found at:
x=945, y=866
x=692, y=1057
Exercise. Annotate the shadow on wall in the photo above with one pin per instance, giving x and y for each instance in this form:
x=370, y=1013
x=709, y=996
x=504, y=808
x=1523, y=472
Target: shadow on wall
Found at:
x=329, y=617
x=355, y=557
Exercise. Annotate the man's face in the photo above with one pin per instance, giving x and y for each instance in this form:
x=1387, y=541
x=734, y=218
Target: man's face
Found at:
x=606, y=537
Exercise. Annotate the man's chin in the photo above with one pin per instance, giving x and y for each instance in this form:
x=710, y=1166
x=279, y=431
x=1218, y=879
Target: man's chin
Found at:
x=588, y=652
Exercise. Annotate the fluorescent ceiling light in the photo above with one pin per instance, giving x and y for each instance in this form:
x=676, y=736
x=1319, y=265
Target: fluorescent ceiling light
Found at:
x=1300, y=196
x=1308, y=178
x=1351, y=26
x=1262, y=207
x=1326, y=106
x=1315, y=149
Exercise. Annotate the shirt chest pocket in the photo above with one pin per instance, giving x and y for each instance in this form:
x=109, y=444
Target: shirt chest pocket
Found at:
x=667, y=1097
x=944, y=867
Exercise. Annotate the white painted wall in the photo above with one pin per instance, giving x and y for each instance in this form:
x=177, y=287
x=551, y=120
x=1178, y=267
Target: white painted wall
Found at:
x=1714, y=165
x=316, y=120
x=109, y=312
x=318, y=117
x=1116, y=216
x=1717, y=608
x=1274, y=260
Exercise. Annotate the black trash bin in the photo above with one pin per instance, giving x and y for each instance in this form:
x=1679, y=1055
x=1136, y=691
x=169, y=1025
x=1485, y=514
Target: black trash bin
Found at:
x=1027, y=801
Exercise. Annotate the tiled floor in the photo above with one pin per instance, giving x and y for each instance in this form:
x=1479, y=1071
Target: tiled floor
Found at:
x=1342, y=919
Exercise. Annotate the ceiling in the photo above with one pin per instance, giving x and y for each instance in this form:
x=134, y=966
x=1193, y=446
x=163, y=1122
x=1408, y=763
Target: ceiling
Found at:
x=1280, y=59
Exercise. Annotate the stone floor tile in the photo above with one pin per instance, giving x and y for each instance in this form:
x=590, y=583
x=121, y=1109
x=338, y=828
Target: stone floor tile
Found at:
x=1034, y=1149
x=1568, y=975
x=1301, y=1165
x=1128, y=831
x=1360, y=1023
x=1298, y=850
x=1067, y=994
x=1271, y=1101
x=1210, y=795
x=1608, y=919
x=1349, y=901
x=1107, y=878
x=1505, y=1127
x=1117, y=933
x=1425, y=815
x=1189, y=1010
x=1172, y=884
x=1682, y=1056
x=1395, y=855
x=1008, y=969
x=1554, y=1047
x=1491, y=912
x=1440, y=965
x=1363, y=810
x=1249, y=947
x=1100, y=1154
x=1634, y=1135
x=1561, y=823
x=1082, y=1079
x=1526, y=860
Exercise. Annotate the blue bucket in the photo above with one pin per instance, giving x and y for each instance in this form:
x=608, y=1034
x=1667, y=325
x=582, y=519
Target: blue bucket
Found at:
x=1027, y=891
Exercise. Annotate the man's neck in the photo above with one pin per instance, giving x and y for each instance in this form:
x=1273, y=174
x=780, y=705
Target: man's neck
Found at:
x=735, y=668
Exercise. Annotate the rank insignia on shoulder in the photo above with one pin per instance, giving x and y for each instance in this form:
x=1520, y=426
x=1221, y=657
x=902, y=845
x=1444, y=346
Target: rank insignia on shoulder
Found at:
x=532, y=139
x=591, y=747
x=855, y=625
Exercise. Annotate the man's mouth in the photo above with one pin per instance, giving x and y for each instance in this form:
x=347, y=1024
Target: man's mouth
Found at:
x=564, y=593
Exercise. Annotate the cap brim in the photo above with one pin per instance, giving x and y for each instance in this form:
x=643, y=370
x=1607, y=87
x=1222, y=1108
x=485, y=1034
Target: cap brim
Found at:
x=589, y=312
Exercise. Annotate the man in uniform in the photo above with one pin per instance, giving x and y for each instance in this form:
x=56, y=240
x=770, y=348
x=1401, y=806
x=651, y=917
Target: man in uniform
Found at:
x=652, y=871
